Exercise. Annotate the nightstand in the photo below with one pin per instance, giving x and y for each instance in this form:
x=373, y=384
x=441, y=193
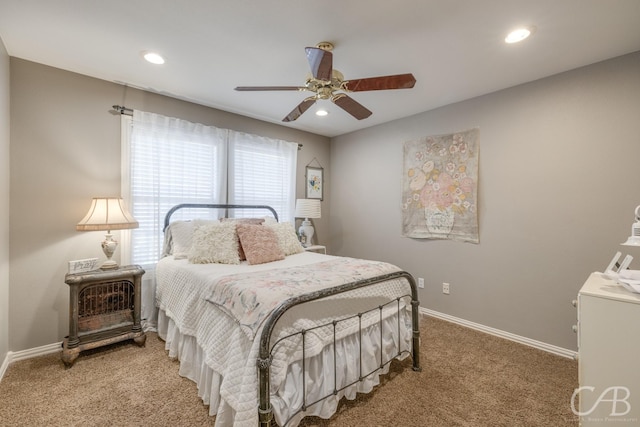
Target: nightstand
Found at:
x=104, y=308
x=316, y=248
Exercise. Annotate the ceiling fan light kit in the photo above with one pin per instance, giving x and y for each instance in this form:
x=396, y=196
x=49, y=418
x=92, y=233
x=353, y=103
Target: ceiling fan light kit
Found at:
x=328, y=46
x=327, y=83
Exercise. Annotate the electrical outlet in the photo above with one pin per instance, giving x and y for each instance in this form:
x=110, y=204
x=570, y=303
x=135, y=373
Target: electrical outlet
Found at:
x=420, y=282
x=445, y=288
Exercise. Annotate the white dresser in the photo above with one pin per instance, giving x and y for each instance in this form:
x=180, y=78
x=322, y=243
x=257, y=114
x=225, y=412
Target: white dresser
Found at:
x=609, y=354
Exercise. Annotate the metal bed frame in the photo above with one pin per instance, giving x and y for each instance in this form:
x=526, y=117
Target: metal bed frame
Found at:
x=265, y=410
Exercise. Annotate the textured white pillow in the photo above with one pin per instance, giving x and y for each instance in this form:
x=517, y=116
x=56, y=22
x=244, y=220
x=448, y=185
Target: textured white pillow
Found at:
x=214, y=243
x=287, y=237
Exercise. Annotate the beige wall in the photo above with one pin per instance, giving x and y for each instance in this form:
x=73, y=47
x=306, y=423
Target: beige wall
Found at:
x=4, y=202
x=65, y=149
x=558, y=183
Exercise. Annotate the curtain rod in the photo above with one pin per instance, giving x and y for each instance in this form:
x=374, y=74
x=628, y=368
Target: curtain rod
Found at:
x=129, y=112
x=123, y=110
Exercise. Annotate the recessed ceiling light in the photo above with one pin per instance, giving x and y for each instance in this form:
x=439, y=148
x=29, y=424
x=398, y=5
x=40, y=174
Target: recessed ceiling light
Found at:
x=519, y=34
x=322, y=113
x=153, y=57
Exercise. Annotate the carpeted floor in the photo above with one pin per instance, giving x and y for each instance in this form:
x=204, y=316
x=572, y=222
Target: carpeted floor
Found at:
x=468, y=379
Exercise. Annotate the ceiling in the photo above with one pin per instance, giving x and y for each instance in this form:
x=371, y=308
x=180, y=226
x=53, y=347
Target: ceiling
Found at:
x=454, y=48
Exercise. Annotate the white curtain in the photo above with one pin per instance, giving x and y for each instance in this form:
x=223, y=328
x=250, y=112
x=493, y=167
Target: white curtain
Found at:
x=262, y=171
x=168, y=161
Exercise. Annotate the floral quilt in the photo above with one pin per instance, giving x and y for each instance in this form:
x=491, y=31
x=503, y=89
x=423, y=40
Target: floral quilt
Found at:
x=250, y=297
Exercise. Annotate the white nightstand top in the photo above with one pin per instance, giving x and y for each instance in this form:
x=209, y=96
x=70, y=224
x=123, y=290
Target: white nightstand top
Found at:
x=316, y=248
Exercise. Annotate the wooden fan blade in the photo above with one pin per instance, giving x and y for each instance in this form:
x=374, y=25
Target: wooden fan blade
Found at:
x=257, y=88
x=352, y=107
x=398, y=81
x=301, y=108
x=321, y=63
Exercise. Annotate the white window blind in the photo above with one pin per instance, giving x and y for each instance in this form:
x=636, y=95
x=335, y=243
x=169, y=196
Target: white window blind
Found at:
x=172, y=161
x=262, y=171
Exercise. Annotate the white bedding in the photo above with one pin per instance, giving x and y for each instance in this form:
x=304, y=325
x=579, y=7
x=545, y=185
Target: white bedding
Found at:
x=220, y=357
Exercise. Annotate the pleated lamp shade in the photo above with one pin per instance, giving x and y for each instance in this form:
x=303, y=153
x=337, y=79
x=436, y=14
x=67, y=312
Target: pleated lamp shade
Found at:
x=307, y=208
x=107, y=213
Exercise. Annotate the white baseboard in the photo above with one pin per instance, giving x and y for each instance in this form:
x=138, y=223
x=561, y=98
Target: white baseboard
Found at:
x=570, y=354
x=28, y=354
x=35, y=352
x=4, y=366
x=45, y=349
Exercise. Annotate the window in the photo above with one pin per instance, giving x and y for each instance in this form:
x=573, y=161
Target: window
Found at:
x=172, y=161
x=168, y=161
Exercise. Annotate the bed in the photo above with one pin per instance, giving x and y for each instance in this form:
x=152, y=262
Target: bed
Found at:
x=275, y=340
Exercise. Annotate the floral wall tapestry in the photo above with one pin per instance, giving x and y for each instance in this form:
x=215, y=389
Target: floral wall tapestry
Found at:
x=440, y=187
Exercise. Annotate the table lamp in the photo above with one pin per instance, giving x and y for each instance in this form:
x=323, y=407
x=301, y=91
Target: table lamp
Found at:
x=307, y=208
x=107, y=213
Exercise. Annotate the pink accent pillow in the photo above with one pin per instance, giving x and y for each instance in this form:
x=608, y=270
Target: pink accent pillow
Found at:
x=260, y=243
x=243, y=221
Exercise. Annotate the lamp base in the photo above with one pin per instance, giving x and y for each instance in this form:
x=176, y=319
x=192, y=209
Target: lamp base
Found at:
x=109, y=265
x=109, y=246
x=306, y=231
x=634, y=239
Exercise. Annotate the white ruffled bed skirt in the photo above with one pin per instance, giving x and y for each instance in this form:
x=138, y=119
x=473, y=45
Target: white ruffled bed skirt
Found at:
x=287, y=398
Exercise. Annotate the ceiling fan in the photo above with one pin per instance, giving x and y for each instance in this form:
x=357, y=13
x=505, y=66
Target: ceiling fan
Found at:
x=328, y=83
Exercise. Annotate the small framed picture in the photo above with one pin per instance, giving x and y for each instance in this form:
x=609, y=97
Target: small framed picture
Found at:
x=314, y=182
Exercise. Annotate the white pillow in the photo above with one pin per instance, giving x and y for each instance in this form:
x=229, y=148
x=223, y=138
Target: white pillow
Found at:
x=287, y=237
x=181, y=234
x=216, y=242
x=269, y=220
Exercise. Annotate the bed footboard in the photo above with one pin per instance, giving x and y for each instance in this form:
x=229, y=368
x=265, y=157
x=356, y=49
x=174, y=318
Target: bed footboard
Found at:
x=265, y=409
